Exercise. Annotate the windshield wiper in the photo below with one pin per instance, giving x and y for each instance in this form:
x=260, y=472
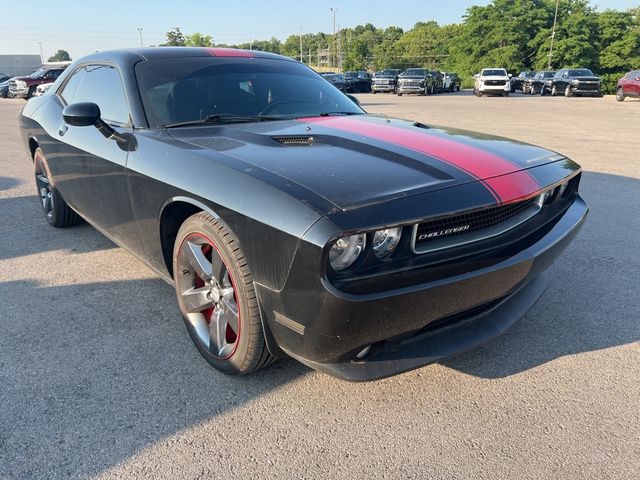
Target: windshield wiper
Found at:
x=224, y=118
x=337, y=114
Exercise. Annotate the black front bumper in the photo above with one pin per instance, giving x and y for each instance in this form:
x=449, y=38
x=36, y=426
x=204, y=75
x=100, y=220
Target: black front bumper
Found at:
x=411, y=327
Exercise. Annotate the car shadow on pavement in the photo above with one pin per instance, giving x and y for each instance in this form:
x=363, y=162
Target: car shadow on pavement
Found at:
x=24, y=231
x=94, y=372
x=7, y=183
x=593, y=298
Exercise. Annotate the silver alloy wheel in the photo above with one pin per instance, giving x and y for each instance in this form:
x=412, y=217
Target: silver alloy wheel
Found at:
x=619, y=94
x=44, y=188
x=207, y=296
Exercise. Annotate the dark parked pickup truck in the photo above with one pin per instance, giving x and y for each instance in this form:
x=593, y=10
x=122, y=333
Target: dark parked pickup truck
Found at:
x=416, y=80
x=537, y=84
x=519, y=82
x=575, y=81
x=25, y=87
x=385, y=81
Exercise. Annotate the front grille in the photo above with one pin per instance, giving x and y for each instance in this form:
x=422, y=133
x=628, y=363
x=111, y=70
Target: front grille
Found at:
x=495, y=82
x=472, y=226
x=300, y=140
x=412, y=83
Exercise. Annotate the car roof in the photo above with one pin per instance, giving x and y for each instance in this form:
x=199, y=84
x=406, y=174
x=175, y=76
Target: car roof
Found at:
x=153, y=53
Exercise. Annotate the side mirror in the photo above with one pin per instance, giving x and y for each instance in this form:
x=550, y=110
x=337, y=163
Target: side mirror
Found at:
x=638, y=78
x=87, y=114
x=476, y=75
x=353, y=99
x=83, y=114
x=509, y=75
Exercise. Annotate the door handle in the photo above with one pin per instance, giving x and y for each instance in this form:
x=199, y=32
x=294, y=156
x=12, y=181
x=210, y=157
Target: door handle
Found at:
x=63, y=129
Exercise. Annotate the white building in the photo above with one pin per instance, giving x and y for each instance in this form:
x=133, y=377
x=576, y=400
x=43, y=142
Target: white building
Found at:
x=17, y=65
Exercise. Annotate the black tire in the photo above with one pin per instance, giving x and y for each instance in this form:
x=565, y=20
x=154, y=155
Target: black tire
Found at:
x=56, y=211
x=373, y=92
x=506, y=94
x=399, y=93
x=32, y=90
x=246, y=351
x=554, y=91
x=567, y=91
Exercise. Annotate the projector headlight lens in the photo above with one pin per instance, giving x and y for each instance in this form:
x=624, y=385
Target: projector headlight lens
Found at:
x=346, y=250
x=385, y=241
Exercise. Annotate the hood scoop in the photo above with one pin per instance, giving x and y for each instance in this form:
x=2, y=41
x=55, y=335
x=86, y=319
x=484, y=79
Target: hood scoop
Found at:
x=297, y=140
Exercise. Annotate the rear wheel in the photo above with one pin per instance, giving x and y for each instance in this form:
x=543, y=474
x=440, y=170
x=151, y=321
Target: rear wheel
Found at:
x=56, y=211
x=216, y=296
x=32, y=90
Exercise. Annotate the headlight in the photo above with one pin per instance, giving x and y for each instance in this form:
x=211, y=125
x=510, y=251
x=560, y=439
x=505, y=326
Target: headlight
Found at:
x=21, y=83
x=346, y=250
x=386, y=241
x=574, y=82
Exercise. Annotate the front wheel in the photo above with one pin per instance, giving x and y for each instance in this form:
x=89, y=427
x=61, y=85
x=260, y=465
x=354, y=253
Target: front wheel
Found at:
x=216, y=296
x=567, y=91
x=554, y=91
x=56, y=211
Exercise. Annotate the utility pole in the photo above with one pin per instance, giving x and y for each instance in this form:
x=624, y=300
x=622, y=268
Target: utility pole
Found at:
x=553, y=35
x=140, y=32
x=41, y=54
x=339, y=50
x=333, y=53
x=301, y=57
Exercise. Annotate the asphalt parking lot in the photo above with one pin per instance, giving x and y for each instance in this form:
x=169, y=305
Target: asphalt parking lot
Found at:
x=99, y=379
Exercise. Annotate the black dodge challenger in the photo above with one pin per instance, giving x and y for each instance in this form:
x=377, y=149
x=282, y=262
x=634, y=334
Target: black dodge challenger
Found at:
x=289, y=220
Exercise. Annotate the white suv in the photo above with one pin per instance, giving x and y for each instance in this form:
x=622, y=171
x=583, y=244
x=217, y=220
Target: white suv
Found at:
x=492, y=81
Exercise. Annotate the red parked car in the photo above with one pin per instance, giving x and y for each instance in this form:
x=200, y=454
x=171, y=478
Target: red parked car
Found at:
x=25, y=87
x=628, y=86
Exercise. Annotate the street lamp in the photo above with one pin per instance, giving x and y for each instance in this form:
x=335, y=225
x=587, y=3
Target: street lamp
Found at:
x=140, y=32
x=41, y=54
x=333, y=52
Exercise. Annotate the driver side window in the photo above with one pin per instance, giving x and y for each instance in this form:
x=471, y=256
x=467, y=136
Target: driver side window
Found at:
x=102, y=85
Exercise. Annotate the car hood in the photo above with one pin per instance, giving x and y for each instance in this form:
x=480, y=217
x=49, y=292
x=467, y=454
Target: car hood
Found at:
x=356, y=161
x=24, y=79
x=494, y=77
x=412, y=77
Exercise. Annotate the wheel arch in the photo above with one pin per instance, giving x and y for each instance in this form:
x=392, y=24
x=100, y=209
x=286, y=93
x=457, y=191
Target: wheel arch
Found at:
x=33, y=145
x=172, y=215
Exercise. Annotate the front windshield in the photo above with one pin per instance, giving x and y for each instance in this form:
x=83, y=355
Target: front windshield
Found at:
x=38, y=73
x=581, y=73
x=194, y=88
x=548, y=74
x=414, y=71
x=494, y=73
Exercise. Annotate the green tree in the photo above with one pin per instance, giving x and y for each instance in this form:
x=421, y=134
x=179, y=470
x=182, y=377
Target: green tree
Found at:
x=198, y=40
x=60, y=56
x=175, y=38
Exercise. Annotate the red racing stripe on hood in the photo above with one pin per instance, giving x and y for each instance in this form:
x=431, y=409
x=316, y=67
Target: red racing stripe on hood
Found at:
x=505, y=180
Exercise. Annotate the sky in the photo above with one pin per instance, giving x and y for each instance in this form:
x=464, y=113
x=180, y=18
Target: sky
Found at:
x=82, y=27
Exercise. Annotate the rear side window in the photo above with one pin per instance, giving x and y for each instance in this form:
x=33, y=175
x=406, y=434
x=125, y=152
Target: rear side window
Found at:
x=102, y=85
